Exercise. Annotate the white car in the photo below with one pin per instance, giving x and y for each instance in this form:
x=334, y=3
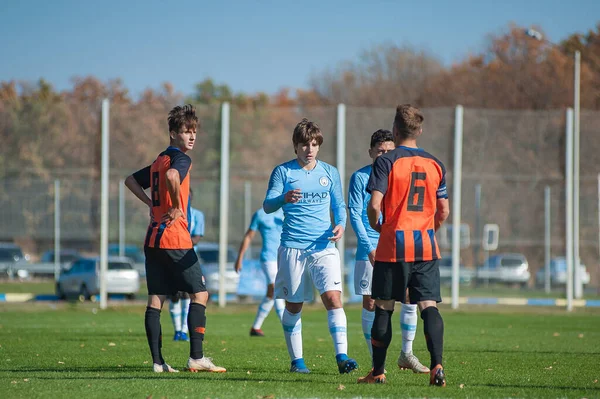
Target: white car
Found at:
x=82, y=279
x=505, y=268
x=208, y=254
x=558, y=273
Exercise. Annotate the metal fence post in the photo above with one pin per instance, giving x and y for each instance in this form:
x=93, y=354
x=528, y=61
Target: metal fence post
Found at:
x=104, y=204
x=456, y=217
x=224, y=202
x=547, y=238
x=569, y=207
x=56, y=229
x=341, y=166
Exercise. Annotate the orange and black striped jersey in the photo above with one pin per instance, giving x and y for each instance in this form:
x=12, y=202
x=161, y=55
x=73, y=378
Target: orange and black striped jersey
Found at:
x=177, y=235
x=411, y=180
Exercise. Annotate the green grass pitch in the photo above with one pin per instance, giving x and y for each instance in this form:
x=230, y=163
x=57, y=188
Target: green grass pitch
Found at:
x=77, y=351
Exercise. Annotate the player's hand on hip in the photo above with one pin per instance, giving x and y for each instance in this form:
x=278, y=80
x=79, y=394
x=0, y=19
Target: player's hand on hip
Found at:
x=171, y=215
x=372, y=257
x=292, y=196
x=338, y=232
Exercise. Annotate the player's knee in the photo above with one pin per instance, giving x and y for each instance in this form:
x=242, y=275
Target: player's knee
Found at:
x=332, y=300
x=270, y=291
x=199, y=297
x=368, y=304
x=293, y=307
x=156, y=301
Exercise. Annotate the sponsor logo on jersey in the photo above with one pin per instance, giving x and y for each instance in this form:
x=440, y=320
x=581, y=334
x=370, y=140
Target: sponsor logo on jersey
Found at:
x=314, y=197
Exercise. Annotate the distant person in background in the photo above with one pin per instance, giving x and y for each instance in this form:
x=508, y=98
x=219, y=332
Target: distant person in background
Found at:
x=179, y=305
x=382, y=141
x=269, y=226
x=195, y=221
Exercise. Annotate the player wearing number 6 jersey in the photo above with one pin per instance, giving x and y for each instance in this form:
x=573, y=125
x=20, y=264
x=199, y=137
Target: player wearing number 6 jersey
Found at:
x=382, y=141
x=171, y=263
x=408, y=187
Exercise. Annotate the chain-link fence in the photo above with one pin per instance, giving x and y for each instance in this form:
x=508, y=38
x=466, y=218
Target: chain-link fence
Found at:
x=509, y=158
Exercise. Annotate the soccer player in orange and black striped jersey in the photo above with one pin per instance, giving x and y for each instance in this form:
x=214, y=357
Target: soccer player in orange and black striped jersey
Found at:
x=408, y=187
x=171, y=262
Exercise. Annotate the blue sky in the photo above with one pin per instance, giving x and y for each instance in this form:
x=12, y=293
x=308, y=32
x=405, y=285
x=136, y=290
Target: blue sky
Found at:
x=250, y=45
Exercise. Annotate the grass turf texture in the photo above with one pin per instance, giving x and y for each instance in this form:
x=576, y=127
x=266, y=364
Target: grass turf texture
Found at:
x=74, y=350
x=46, y=286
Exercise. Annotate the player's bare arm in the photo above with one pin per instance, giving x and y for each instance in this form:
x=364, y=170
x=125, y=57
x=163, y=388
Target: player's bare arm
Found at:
x=137, y=190
x=441, y=213
x=173, y=186
x=243, y=247
x=374, y=210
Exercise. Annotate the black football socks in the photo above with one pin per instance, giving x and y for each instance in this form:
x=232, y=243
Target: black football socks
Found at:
x=381, y=336
x=197, y=324
x=433, y=326
x=154, y=334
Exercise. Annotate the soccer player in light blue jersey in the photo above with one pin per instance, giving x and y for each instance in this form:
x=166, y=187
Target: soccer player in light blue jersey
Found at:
x=382, y=141
x=309, y=190
x=269, y=226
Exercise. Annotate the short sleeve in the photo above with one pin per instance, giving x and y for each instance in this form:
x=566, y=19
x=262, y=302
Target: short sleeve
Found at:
x=442, y=191
x=254, y=224
x=142, y=177
x=182, y=163
x=378, y=181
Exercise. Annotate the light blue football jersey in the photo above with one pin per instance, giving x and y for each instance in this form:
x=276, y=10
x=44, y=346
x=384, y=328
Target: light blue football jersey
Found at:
x=269, y=226
x=358, y=200
x=307, y=223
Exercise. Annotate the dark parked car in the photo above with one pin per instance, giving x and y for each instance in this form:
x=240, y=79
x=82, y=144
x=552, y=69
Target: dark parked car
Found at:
x=11, y=258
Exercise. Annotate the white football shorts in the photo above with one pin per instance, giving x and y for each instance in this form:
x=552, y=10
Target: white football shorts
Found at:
x=297, y=268
x=269, y=268
x=363, y=277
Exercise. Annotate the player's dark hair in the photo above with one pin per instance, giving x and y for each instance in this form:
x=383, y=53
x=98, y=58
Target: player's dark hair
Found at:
x=305, y=132
x=408, y=121
x=183, y=117
x=381, y=136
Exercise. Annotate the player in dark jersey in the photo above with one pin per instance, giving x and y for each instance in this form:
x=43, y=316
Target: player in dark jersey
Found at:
x=171, y=262
x=408, y=187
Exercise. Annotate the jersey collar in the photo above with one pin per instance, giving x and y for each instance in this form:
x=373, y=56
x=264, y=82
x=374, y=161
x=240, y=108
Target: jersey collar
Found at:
x=410, y=148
